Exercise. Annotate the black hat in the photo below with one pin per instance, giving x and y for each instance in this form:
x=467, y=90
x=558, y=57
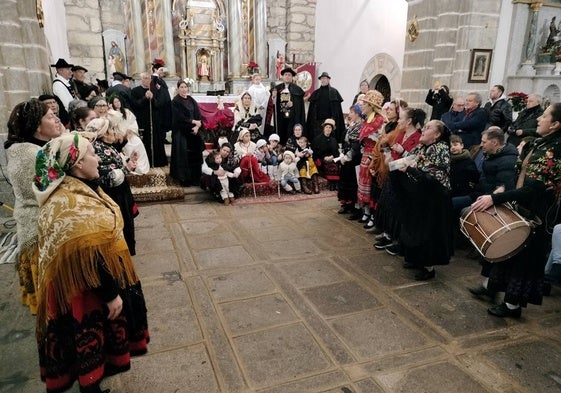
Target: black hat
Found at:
x=45, y=97
x=61, y=63
x=102, y=83
x=288, y=69
x=324, y=74
x=78, y=68
x=129, y=77
x=119, y=76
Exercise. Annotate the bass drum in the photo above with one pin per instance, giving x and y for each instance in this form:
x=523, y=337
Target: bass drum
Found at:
x=498, y=233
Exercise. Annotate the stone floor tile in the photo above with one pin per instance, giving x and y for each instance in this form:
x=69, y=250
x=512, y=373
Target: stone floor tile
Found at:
x=201, y=242
x=155, y=264
x=311, y=384
x=368, y=386
x=153, y=247
x=279, y=233
x=191, y=372
x=300, y=248
x=200, y=227
x=222, y=257
x=535, y=364
x=263, y=221
x=372, y=334
x=434, y=378
x=279, y=355
x=257, y=313
x=199, y=211
x=453, y=310
x=240, y=284
x=312, y=272
x=340, y=298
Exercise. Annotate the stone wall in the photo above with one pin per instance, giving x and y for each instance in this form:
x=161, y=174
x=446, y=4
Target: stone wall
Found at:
x=24, y=64
x=448, y=30
x=295, y=22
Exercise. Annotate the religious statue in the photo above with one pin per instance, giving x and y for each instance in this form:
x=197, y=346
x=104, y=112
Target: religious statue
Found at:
x=116, y=59
x=203, y=69
x=279, y=64
x=552, y=37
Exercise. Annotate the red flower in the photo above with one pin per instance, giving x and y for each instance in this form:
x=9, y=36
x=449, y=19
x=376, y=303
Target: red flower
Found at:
x=52, y=174
x=252, y=64
x=550, y=163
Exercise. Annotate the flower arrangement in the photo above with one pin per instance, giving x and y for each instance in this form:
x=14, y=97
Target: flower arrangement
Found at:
x=517, y=100
x=252, y=67
x=214, y=126
x=190, y=82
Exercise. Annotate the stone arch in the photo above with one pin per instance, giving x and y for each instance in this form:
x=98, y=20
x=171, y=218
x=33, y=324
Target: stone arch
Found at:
x=552, y=93
x=382, y=64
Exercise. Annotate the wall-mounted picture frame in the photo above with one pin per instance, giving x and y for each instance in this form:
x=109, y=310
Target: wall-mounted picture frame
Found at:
x=479, y=65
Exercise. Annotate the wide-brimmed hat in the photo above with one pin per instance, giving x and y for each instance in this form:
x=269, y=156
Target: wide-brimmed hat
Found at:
x=288, y=69
x=330, y=122
x=61, y=63
x=373, y=98
x=79, y=68
x=324, y=74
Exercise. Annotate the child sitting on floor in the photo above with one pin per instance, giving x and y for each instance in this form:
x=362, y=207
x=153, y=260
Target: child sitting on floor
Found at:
x=289, y=173
x=307, y=168
x=213, y=160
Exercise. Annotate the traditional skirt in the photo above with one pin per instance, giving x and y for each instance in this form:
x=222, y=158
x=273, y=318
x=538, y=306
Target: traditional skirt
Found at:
x=347, y=189
x=27, y=271
x=308, y=169
x=364, y=181
x=84, y=345
x=251, y=173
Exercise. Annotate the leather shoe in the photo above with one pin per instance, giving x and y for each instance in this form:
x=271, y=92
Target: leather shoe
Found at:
x=364, y=219
x=425, y=275
x=502, y=311
x=345, y=209
x=483, y=293
x=355, y=215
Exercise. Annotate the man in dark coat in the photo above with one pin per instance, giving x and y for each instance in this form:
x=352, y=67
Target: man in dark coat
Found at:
x=456, y=113
x=146, y=109
x=325, y=103
x=119, y=89
x=289, y=105
x=158, y=71
x=527, y=121
x=79, y=78
x=473, y=124
x=499, y=109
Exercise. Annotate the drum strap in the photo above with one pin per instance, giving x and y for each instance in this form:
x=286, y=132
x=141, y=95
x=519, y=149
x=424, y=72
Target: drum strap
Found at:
x=522, y=176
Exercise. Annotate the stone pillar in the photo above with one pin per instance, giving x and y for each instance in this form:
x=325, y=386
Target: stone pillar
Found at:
x=139, y=60
x=234, y=34
x=260, y=35
x=168, y=38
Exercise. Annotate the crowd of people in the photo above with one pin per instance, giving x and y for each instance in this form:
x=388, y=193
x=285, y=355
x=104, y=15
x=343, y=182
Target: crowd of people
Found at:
x=411, y=183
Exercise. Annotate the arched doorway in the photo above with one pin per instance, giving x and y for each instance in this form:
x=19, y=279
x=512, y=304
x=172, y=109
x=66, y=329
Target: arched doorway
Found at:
x=382, y=84
x=384, y=75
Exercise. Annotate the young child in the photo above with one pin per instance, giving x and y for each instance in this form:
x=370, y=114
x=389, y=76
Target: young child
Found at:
x=289, y=173
x=275, y=149
x=463, y=172
x=262, y=152
x=307, y=168
x=214, y=161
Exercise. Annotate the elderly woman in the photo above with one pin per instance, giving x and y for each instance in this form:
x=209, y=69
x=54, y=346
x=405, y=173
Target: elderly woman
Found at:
x=187, y=145
x=400, y=142
x=539, y=181
x=423, y=191
x=244, y=150
x=326, y=150
x=112, y=171
x=370, y=132
x=246, y=115
x=30, y=126
x=91, y=312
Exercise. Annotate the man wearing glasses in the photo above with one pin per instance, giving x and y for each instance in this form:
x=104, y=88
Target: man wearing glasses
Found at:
x=456, y=113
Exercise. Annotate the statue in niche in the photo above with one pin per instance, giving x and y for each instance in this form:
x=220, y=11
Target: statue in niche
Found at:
x=553, y=36
x=279, y=64
x=116, y=59
x=203, y=68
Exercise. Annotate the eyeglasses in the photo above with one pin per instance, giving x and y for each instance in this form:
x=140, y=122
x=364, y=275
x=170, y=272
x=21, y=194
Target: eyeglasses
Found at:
x=101, y=105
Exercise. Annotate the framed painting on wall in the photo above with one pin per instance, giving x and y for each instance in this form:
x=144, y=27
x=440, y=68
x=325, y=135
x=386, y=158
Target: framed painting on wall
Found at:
x=479, y=65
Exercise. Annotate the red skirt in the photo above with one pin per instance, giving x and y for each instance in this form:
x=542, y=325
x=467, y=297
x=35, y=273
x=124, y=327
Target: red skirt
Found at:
x=84, y=345
x=364, y=181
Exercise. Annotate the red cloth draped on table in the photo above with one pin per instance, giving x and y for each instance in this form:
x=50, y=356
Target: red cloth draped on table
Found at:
x=215, y=120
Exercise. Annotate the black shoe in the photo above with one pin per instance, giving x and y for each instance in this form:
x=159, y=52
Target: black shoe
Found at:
x=502, y=311
x=394, y=249
x=345, y=209
x=364, y=218
x=355, y=215
x=483, y=293
x=383, y=243
x=368, y=225
x=409, y=265
x=425, y=275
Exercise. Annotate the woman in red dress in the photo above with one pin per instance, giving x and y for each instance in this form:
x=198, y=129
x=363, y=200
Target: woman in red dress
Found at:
x=370, y=132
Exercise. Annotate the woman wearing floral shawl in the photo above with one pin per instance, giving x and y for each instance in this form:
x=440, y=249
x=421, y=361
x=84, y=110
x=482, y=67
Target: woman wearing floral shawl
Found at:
x=91, y=313
x=537, y=190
